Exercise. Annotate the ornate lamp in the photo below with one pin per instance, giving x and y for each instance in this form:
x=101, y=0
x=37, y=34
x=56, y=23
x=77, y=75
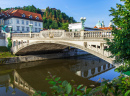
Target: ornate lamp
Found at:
x=10, y=27
x=83, y=21
x=30, y=25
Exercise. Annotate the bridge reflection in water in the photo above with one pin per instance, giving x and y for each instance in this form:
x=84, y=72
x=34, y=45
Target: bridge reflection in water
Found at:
x=28, y=77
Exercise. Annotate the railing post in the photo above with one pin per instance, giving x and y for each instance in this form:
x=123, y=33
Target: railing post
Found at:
x=72, y=34
x=82, y=34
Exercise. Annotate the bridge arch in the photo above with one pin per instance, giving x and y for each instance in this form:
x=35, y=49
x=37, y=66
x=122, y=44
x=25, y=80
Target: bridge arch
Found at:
x=84, y=47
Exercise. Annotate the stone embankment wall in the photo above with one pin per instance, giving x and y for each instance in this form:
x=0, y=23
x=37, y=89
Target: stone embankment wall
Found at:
x=29, y=58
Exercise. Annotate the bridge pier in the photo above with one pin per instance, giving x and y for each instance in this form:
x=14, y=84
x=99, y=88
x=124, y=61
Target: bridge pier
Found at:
x=102, y=48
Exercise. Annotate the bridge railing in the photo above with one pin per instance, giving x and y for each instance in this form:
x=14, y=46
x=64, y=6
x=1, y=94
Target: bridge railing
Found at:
x=88, y=34
x=98, y=34
x=72, y=35
x=20, y=34
x=67, y=35
x=35, y=35
x=52, y=33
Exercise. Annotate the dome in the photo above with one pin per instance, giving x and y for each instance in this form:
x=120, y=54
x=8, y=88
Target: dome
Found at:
x=98, y=25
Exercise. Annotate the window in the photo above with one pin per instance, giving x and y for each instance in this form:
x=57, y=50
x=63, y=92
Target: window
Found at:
x=23, y=15
x=22, y=21
x=18, y=28
x=35, y=23
x=8, y=22
x=30, y=16
x=31, y=22
x=35, y=29
x=26, y=22
x=17, y=21
x=37, y=18
x=27, y=28
x=39, y=29
x=22, y=28
x=39, y=24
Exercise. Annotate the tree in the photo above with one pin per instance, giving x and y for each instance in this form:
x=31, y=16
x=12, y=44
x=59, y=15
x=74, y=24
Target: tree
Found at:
x=54, y=25
x=65, y=26
x=120, y=45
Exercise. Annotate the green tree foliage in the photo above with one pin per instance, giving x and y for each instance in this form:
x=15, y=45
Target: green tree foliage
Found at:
x=29, y=8
x=9, y=44
x=120, y=45
x=56, y=19
x=65, y=26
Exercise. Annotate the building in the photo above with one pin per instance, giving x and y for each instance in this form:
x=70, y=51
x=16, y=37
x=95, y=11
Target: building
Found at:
x=102, y=26
x=73, y=27
x=19, y=20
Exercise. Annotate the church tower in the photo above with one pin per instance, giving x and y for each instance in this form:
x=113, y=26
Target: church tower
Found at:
x=103, y=24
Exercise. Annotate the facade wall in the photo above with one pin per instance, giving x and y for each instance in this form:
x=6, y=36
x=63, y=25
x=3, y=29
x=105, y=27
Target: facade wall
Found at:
x=75, y=27
x=2, y=42
x=22, y=25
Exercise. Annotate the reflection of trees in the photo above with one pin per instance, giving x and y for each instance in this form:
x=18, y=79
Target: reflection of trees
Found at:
x=93, y=71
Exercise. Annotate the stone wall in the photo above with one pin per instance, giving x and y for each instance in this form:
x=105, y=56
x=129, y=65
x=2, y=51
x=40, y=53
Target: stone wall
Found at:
x=29, y=58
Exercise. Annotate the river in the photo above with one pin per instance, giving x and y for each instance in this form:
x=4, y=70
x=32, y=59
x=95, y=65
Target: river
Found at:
x=22, y=79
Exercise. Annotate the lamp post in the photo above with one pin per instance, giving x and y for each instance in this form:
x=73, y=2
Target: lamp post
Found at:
x=10, y=27
x=83, y=21
x=30, y=25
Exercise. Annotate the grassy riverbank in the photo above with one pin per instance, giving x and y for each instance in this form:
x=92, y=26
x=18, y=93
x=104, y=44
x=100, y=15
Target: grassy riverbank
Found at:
x=4, y=52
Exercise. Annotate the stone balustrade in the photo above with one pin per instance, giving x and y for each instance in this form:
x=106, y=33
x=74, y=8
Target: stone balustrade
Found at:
x=20, y=34
x=98, y=34
x=67, y=35
x=52, y=33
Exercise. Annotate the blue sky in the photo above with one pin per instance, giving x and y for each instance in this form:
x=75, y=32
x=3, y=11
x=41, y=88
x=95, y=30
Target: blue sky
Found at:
x=93, y=10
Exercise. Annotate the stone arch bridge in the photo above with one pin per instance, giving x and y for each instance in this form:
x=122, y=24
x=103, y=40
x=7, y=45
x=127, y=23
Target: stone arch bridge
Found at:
x=89, y=41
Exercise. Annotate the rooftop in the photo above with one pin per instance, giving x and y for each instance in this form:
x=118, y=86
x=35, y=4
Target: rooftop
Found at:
x=19, y=13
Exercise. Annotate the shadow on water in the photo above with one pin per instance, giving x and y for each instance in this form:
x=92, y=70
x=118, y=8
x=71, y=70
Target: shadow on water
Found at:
x=27, y=77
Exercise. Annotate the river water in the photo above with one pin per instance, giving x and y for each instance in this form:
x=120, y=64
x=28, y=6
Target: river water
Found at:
x=22, y=79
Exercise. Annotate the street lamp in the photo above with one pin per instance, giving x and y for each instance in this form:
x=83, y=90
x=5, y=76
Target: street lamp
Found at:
x=83, y=21
x=10, y=27
x=30, y=25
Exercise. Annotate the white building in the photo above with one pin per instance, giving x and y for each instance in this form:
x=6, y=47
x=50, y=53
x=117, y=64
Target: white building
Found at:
x=20, y=20
x=73, y=27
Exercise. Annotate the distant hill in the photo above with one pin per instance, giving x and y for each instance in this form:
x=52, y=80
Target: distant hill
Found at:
x=55, y=19
x=52, y=18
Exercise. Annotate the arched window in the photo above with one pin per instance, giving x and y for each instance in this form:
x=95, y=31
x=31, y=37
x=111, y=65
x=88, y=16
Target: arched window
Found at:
x=23, y=15
x=30, y=16
x=37, y=18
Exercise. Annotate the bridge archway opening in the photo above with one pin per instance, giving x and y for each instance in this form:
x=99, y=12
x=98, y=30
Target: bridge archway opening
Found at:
x=42, y=48
x=47, y=47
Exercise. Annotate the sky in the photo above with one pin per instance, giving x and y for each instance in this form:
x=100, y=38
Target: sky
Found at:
x=93, y=10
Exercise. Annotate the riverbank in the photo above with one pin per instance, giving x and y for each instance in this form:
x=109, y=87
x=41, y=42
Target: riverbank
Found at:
x=4, y=52
x=7, y=58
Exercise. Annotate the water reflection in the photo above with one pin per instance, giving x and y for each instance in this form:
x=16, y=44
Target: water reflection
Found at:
x=91, y=68
x=27, y=77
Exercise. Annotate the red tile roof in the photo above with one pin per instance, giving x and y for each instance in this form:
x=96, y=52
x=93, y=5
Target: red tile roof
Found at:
x=105, y=28
x=18, y=13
